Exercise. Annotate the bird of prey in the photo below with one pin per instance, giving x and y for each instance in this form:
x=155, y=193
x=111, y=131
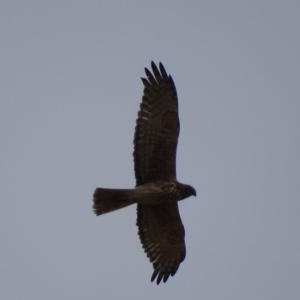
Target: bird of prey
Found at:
x=157, y=190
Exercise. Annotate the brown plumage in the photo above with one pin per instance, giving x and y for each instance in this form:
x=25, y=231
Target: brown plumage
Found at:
x=157, y=190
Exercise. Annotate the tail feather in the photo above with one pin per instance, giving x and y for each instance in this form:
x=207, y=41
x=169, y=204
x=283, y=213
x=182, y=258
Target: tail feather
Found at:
x=108, y=200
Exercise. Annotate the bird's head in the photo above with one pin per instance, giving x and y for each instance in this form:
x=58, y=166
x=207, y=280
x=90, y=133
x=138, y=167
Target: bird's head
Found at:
x=188, y=191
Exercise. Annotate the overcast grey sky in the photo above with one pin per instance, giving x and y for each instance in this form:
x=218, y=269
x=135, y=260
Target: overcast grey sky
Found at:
x=70, y=92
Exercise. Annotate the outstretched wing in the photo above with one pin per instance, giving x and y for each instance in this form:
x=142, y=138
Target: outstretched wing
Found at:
x=162, y=235
x=157, y=128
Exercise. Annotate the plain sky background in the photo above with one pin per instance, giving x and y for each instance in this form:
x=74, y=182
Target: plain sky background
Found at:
x=70, y=91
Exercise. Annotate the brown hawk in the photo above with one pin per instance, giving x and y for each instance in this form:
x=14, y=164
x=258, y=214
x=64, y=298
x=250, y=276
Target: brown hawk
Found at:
x=157, y=190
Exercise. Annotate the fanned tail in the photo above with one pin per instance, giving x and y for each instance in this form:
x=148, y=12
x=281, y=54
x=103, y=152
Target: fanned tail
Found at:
x=108, y=200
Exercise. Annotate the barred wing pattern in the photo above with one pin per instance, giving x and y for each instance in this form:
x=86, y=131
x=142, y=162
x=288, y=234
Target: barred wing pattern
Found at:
x=157, y=129
x=160, y=228
x=162, y=235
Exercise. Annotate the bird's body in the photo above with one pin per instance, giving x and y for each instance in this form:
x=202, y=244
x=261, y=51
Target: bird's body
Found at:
x=148, y=193
x=157, y=190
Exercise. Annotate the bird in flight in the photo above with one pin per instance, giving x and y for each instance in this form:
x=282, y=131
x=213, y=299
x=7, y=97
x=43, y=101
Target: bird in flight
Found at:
x=157, y=190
